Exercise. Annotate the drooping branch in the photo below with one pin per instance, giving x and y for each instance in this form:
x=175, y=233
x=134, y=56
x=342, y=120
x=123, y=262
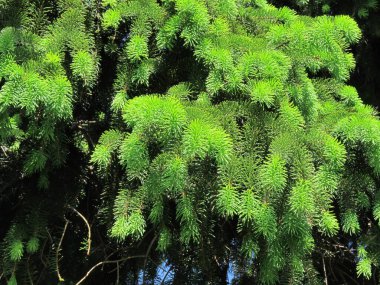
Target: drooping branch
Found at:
x=88, y=228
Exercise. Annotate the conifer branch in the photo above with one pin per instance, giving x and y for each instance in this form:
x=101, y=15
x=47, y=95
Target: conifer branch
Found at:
x=265, y=133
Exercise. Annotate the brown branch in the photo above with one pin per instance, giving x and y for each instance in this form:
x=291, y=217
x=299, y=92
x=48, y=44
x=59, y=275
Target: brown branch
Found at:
x=42, y=261
x=28, y=270
x=145, y=235
x=354, y=281
x=81, y=124
x=324, y=269
x=147, y=254
x=117, y=273
x=3, y=148
x=88, y=228
x=57, y=253
x=106, y=262
x=42, y=252
x=331, y=270
x=87, y=135
x=49, y=235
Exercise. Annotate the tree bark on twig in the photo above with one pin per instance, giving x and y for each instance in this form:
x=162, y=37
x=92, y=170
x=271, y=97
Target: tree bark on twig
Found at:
x=57, y=253
x=88, y=228
x=106, y=262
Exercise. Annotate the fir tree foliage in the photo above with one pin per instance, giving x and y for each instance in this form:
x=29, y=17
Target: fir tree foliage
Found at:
x=254, y=153
x=44, y=61
x=270, y=62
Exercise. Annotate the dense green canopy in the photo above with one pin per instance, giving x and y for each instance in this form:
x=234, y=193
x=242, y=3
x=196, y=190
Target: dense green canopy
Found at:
x=175, y=141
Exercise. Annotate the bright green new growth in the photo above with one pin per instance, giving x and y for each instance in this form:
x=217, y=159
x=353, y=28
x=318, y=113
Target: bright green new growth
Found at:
x=299, y=130
x=36, y=84
x=226, y=116
x=37, y=99
x=181, y=140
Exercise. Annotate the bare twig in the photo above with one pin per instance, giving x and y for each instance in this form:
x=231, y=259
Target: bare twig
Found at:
x=352, y=279
x=85, y=122
x=324, y=269
x=166, y=274
x=49, y=235
x=88, y=228
x=4, y=151
x=117, y=273
x=42, y=261
x=143, y=238
x=106, y=262
x=28, y=269
x=41, y=275
x=87, y=135
x=147, y=254
x=57, y=253
x=42, y=252
x=331, y=270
